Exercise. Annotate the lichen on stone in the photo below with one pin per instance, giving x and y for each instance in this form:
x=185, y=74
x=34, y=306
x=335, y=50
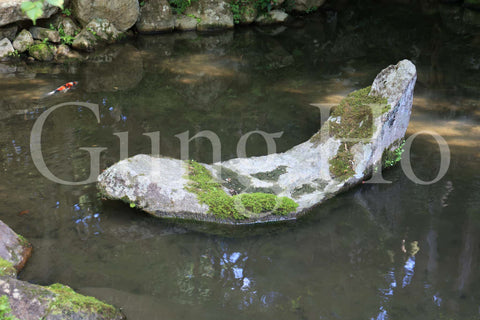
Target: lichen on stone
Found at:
x=303, y=189
x=272, y=175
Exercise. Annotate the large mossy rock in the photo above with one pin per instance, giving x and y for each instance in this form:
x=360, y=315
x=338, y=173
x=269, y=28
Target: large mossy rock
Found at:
x=56, y=302
x=41, y=52
x=122, y=13
x=365, y=126
x=10, y=11
x=155, y=16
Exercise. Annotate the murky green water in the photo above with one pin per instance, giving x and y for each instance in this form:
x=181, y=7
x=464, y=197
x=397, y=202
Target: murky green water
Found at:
x=343, y=260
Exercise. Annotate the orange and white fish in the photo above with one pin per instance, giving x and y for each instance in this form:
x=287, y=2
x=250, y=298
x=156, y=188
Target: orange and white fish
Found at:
x=67, y=86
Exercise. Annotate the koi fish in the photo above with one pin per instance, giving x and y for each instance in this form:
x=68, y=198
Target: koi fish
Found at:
x=67, y=86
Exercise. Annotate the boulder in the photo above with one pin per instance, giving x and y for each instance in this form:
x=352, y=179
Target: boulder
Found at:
x=155, y=16
x=96, y=32
x=44, y=33
x=271, y=17
x=41, y=52
x=185, y=23
x=29, y=301
x=6, y=48
x=123, y=14
x=365, y=127
x=68, y=26
x=23, y=41
x=306, y=5
x=14, y=251
x=211, y=15
x=10, y=11
x=9, y=32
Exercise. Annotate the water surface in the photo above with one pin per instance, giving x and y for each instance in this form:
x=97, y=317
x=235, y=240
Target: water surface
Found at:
x=390, y=251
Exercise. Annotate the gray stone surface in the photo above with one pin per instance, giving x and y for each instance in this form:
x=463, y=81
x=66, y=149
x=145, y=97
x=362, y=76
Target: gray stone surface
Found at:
x=157, y=185
x=5, y=48
x=123, y=14
x=10, y=11
x=185, y=23
x=23, y=41
x=44, y=33
x=272, y=17
x=155, y=16
x=211, y=14
x=96, y=32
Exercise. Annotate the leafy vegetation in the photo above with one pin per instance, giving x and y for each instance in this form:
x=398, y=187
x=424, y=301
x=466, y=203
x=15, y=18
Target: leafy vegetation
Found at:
x=66, y=12
x=240, y=9
x=239, y=206
x=390, y=158
x=6, y=309
x=34, y=9
x=179, y=6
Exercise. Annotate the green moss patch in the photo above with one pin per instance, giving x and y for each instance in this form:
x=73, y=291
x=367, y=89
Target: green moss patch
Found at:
x=67, y=300
x=240, y=206
x=355, y=115
x=271, y=175
x=392, y=157
x=341, y=166
x=7, y=268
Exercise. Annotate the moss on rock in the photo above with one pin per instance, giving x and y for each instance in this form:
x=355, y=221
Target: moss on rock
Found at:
x=222, y=205
x=353, y=117
x=7, y=268
x=341, y=166
x=41, y=52
x=67, y=300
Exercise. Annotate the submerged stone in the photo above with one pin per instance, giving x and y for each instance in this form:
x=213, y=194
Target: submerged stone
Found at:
x=277, y=186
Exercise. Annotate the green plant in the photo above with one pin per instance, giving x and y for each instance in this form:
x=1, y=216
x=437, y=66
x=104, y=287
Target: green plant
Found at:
x=66, y=12
x=6, y=309
x=264, y=6
x=179, y=6
x=240, y=8
x=237, y=207
x=14, y=54
x=34, y=9
x=64, y=38
x=311, y=9
x=390, y=158
x=142, y=3
x=194, y=17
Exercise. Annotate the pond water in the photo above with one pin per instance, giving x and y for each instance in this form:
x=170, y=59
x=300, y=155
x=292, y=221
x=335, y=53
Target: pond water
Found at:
x=385, y=251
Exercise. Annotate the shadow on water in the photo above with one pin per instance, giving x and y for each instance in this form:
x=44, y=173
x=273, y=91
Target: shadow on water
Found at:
x=396, y=251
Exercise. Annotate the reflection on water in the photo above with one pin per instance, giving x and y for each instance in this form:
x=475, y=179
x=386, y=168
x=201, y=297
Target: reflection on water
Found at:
x=389, y=251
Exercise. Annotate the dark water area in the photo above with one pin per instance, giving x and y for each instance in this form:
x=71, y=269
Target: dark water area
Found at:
x=384, y=251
